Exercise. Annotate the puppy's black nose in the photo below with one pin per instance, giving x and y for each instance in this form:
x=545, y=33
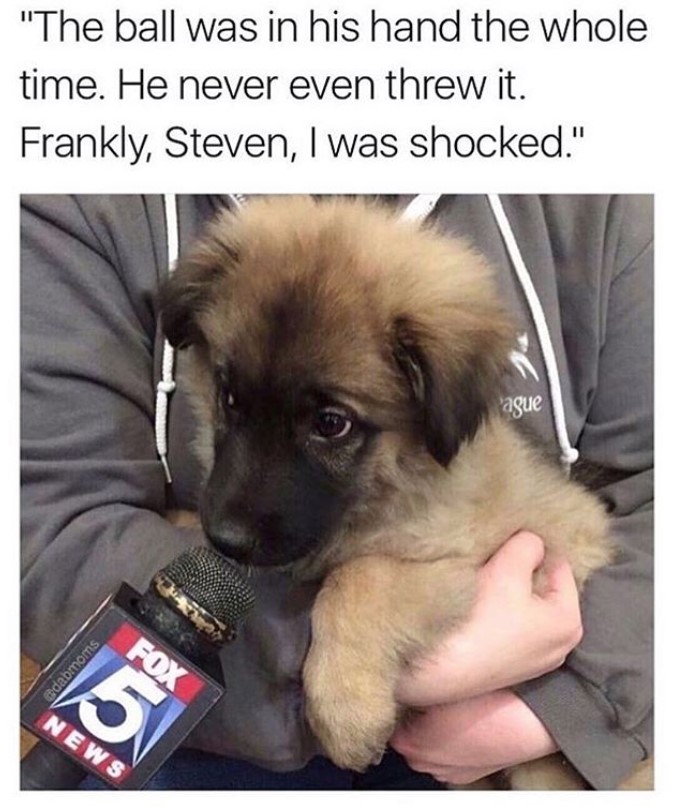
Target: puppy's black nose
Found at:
x=231, y=538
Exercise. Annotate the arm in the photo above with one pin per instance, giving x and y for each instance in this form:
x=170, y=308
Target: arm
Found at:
x=93, y=496
x=599, y=706
x=514, y=633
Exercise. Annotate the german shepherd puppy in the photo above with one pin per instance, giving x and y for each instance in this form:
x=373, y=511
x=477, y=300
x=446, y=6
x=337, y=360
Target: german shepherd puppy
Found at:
x=346, y=370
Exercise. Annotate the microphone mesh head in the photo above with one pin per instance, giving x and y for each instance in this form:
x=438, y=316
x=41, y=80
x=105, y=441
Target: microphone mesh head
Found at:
x=212, y=582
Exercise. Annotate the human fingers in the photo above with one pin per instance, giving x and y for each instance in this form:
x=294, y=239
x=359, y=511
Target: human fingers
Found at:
x=559, y=580
x=493, y=730
x=515, y=562
x=560, y=607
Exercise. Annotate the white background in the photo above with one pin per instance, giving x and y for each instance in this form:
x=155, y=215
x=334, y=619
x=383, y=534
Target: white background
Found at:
x=624, y=95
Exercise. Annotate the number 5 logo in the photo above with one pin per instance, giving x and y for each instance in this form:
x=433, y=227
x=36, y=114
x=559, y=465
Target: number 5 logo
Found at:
x=114, y=689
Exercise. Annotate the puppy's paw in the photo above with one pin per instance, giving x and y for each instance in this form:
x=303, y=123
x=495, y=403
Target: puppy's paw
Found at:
x=352, y=712
x=352, y=734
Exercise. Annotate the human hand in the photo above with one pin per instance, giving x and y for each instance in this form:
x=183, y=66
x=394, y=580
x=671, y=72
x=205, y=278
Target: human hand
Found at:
x=464, y=741
x=514, y=633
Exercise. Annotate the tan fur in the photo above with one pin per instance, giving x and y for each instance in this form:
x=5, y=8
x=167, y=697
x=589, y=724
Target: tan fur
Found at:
x=402, y=568
x=183, y=518
x=550, y=772
x=641, y=778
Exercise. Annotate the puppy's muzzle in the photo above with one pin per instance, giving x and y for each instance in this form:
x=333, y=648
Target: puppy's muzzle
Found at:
x=261, y=542
x=231, y=538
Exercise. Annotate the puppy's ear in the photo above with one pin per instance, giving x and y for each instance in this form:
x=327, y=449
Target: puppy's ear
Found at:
x=188, y=290
x=454, y=373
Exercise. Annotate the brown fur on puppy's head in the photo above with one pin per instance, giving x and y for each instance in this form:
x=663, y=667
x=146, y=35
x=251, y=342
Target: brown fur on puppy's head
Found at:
x=332, y=346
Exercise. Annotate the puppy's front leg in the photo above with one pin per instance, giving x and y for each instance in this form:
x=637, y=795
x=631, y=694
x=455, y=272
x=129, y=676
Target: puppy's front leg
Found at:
x=372, y=616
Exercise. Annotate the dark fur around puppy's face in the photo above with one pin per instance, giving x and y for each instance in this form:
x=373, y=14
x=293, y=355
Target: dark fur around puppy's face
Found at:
x=332, y=347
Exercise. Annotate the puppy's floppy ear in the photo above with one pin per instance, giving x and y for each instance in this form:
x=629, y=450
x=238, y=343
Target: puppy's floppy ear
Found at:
x=454, y=372
x=188, y=290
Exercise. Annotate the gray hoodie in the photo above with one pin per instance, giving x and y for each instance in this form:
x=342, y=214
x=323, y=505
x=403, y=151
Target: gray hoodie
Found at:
x=94, y=495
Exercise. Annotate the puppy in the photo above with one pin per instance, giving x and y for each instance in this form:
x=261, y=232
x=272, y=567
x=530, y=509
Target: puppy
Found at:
x=346, y=370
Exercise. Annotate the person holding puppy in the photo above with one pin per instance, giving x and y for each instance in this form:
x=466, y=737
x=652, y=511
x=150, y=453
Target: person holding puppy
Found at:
x=95, y=499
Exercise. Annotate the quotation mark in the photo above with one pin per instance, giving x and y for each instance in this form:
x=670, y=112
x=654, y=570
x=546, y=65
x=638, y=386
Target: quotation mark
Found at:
x=577, y=132
x=26, y=16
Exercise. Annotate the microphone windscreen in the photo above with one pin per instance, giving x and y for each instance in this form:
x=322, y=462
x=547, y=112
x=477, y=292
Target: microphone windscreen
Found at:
x=212, y=582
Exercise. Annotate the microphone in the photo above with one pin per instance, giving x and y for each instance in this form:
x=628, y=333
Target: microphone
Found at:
x=136, y=678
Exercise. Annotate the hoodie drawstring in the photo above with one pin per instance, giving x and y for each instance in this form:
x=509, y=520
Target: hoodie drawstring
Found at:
x=568, y=454
x=167, y=385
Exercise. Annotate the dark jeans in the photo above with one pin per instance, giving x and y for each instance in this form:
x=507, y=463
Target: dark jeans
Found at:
x=191, y=769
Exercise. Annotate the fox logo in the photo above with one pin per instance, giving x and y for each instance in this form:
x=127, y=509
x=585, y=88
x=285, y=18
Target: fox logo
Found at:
x=125, y=699
x=156, y=663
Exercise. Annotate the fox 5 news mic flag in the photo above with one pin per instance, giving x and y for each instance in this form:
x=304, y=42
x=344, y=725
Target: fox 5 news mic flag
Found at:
x=119, y=698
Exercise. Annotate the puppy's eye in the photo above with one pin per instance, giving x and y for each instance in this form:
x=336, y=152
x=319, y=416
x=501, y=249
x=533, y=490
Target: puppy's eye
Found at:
x=228, y=399
x=331, y=424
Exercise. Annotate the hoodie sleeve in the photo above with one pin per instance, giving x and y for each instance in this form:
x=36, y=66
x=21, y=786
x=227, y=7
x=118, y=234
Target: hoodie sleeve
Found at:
x=599, y=706
x=92, y=491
